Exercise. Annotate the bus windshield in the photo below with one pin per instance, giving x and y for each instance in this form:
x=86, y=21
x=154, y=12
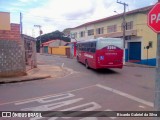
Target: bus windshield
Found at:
x=101, y=43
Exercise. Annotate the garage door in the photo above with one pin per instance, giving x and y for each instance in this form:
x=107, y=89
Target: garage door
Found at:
x=134, y=51
x=45, y=49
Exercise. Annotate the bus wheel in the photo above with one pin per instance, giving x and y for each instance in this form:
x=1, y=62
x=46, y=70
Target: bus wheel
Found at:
x=86, y=63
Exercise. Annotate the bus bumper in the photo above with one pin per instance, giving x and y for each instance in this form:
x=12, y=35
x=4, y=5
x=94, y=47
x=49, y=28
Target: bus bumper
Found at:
x=120, y=66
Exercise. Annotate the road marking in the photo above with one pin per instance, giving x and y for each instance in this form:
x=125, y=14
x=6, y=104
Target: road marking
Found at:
x=50, y=95
x=48, y=99
x=98, y=115
x=89, y=118
x=71, y=72
x=84, y=107
x=52, y=106
x=62, y=65
x=126, y=95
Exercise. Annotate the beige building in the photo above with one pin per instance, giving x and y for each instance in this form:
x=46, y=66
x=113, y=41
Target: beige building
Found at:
x=5, y=21
x=138, y=34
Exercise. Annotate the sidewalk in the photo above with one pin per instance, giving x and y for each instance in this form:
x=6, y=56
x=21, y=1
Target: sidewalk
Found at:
x=129, y=64
x=41, y=72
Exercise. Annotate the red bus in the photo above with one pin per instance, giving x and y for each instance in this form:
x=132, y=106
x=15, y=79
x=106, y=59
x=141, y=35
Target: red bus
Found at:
x=101, y=53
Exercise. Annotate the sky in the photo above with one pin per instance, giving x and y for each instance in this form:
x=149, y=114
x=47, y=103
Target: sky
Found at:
x=60, y=14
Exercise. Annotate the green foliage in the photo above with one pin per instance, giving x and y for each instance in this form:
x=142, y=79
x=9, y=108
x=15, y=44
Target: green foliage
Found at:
x=51, y=36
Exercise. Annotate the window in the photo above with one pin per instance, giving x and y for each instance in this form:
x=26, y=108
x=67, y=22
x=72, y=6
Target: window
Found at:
x=90, y=32
x=82, y=33
x=129, y=25
x=99, y=30
x=87, y=47
x=112, y=28
x=75, y=35
x=109, y=41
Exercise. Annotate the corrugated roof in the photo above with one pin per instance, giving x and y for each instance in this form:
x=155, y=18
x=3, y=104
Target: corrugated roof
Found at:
x=116, y=16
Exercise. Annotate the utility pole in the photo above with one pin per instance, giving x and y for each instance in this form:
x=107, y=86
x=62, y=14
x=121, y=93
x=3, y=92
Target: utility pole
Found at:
x=157, y=82
x=40, y=32
x=124, y=26
x=21, y=25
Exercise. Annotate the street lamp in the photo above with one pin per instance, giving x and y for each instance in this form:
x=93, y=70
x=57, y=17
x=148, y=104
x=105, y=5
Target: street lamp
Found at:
x=116, y=12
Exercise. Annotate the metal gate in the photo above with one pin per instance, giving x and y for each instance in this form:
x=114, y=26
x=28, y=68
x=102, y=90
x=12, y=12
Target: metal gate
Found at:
x=134, y=51
x=30, y=52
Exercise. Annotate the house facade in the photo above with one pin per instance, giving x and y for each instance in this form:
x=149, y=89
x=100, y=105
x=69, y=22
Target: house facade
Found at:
x=138, y=34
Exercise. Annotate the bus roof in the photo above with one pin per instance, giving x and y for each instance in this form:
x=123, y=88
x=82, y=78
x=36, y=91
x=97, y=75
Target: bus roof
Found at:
x=97, y=39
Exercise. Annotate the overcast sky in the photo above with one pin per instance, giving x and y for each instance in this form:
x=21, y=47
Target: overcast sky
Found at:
x=60, y=14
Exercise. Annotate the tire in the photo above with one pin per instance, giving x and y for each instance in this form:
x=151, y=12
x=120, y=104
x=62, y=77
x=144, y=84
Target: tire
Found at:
x=86, y=64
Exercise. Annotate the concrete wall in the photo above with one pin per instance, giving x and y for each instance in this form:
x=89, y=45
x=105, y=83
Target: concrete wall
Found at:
x=148, y=35
x=12, y=61
x=61, y=50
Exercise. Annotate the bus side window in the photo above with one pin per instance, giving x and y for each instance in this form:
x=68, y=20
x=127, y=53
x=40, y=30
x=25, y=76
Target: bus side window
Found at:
x=93, y=48
x=94, y=44
x=88, y=49
x=79, y=46
x=84, y=47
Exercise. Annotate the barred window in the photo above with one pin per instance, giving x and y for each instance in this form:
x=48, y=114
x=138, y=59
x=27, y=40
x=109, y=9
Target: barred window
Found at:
x=112, y=28
x=90, y=32
x=82, y=33
x=100, y=30
x=129, y=25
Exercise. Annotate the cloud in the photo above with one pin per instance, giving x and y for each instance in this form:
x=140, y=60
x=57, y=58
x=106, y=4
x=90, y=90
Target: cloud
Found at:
x=60, y=14
x=65, y=9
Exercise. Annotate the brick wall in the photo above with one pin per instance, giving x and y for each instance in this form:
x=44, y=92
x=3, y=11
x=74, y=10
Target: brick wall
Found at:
x=13, y=34
x=12, y=62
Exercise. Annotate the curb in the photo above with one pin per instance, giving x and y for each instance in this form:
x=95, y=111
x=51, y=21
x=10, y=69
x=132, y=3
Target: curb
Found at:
x=25, y=79
x=140, y=66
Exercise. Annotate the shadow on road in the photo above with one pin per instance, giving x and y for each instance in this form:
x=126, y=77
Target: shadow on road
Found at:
x=104, y=71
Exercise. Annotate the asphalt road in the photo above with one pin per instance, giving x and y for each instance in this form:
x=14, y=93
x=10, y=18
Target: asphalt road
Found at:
x=127, y=89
